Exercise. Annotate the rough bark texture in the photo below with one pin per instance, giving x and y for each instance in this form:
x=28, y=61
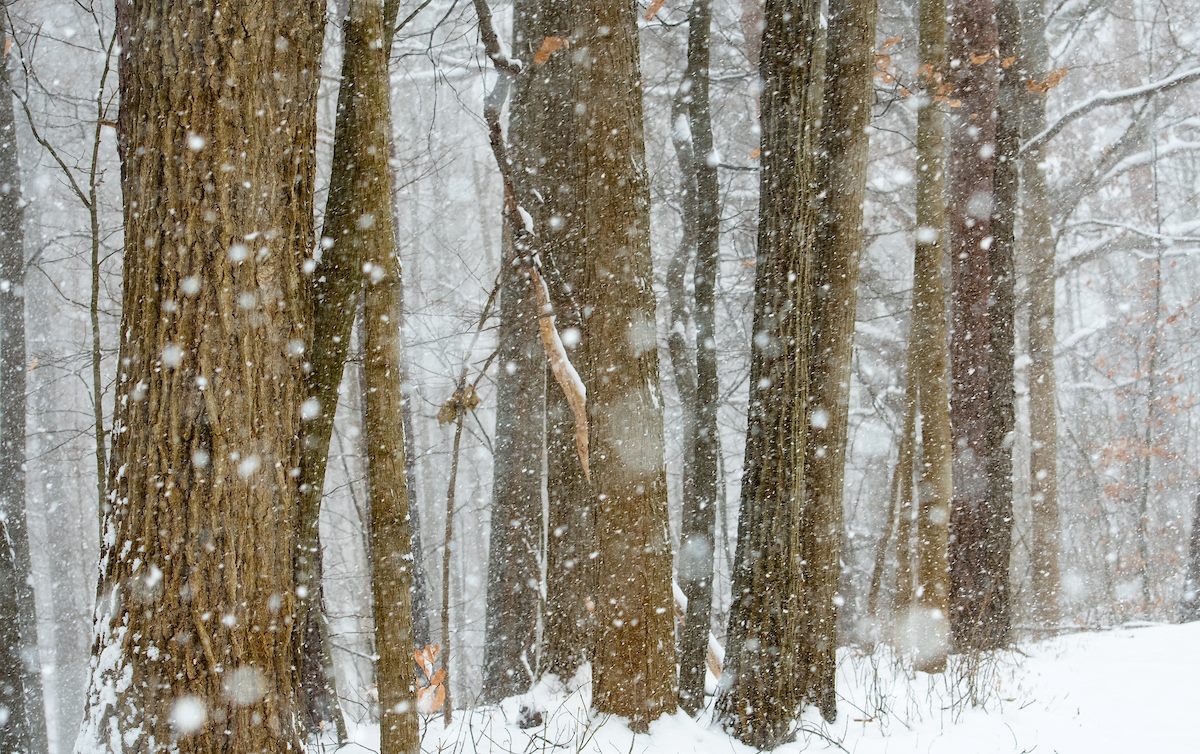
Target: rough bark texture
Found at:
x=994, y=626
x=701, y=439
x=24, y=730
x=196, y=593
x=514, y=567
x=974, y=583
x=552, y=172
x=765, y=678
x=369, y=208
x=848, y=96
x=355, y=184
x=634, y=661
x=1038, y=242
x=926, y=629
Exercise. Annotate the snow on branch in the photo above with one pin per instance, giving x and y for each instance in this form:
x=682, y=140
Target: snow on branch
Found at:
x=1104, y=99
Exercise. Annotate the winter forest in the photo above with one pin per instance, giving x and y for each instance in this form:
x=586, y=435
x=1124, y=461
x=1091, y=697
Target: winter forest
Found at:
x=577, y=376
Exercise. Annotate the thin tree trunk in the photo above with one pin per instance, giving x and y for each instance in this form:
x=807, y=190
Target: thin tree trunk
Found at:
x=698, y=387
x=1189, y=606
x=371, y=210
x=634, y=660
x=197, y=573
x=926, y=628
x=902, y=601
x=20, y=668
x=766, y=675
x=514, y=568
x=848, y=96
x=363, y=110
x=1038, y=239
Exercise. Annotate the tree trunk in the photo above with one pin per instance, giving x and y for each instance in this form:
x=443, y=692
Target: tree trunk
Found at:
x=766, y=675
x=357, y=178
x=969, y=202
x=514, y=567
x=369, y=208
x=1038, y=239
x=699, y=398
x=848, y=96
x=1189, y=607
x=197, y=572
x=20, y=667
x=634, y=660
x=995, y=627
x=926, y=628
x=548, y=180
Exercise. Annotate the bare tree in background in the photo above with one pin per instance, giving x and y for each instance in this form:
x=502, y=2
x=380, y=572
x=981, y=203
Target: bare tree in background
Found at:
x=23, y=727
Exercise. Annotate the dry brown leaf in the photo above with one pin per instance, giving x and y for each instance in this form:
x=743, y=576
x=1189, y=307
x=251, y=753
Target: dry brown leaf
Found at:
x=550, y=45
x=756, y=153
x=980, y=58
x=562, y=368
x=889, y=42
x=654, y=8
x=1007, y=62
x=8, y=45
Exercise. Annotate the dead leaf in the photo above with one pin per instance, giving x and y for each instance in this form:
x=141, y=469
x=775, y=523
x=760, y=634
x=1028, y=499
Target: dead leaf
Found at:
x=889, y=42
x=756, y=153
x=654, y=8
x=1007, y=62
x=550, y=45
x=980, y=58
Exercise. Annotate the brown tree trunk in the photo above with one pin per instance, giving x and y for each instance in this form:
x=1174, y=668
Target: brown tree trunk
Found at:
x=848, y=96
x=373, y=234
x=1038, y=240
x=196, y=594
x=970, y=198
x=20, y=671
x=926, y=629
x=995, y=627
x=634, y=660
x=767, y=678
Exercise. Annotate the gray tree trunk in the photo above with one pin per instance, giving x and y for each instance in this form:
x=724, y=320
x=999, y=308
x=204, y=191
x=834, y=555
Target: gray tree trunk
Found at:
x=20, y=666
x=765, y=664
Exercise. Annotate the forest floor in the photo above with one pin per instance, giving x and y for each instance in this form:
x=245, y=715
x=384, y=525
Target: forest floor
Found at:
x=1125, y=690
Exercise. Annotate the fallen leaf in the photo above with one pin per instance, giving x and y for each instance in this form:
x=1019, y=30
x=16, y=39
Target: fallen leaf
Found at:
x=654, y=8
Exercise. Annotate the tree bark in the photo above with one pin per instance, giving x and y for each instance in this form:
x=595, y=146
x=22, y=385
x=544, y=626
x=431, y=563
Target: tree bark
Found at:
x=634, y=660
x=974, y=584
x=20, y=667
x=848, y=96
x=765, y=671
x=1038, y=240
x=369, y=207
x=514, y=567
x=697, y=380
x=925, y=629
x=995, y=627
x=1189, y=606
x=194, y=647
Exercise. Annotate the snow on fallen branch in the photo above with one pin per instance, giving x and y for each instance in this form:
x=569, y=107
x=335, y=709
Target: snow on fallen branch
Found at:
x=520, y=224
x=1104, y=99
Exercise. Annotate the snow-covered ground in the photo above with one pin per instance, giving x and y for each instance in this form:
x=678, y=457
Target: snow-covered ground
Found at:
x=1130, y=690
